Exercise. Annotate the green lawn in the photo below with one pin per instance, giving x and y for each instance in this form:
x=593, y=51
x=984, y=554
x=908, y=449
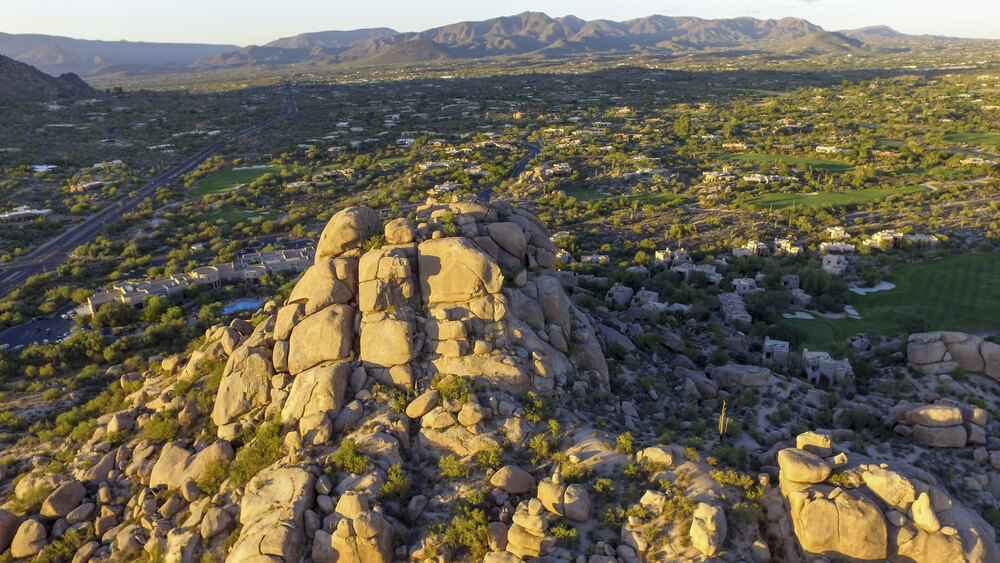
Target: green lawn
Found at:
x=955, y=293
x=986, y=139
x=395, y=161
x=803, y=161
x=233, y=215
x=583, y=194
x=228, y=179
x=783, y=201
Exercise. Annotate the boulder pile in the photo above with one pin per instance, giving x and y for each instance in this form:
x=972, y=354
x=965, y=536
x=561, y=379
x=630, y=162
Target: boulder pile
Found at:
x=941, y=425
x=865, y=511
x=933, y=353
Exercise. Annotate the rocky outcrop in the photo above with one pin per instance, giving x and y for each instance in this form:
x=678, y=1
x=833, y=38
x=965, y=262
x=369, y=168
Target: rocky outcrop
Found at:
x=946, y=424
x=883, y=513
x=272, y=514
x=933, y=353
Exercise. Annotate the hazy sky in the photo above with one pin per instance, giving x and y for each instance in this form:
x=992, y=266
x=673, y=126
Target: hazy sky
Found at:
x=245, y=22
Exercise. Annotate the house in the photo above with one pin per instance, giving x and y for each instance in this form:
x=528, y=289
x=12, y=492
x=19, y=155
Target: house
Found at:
x=835, y=264
x=667, y=256
x=734, y=309
x=884, y=239
x=751, y=248
x=929, y=240
x=775, y=350
x=823, y=370
x=822, y=149
x=836, y=247
x=835, y=233
x=743, y=286
x=594, y=259
x=712, y=176
x=23, y=213
x=249, y=268
x=619, y=295
x=791, y=281
x=690, y=271
x=786, y=246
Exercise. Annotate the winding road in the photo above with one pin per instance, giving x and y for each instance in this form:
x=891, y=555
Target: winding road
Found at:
x=57, y=250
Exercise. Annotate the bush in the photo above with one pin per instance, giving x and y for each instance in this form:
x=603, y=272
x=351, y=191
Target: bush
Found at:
x=162, y=427
x=469, y=528
x=489, y=458
x=624, y=444
x=604, y=487
x=264, y=450
x=397, y=484
x=453, y=468
x=537, y=408
x=455, y=388
x=213, y=475
x=349, y=458
x=565, y=534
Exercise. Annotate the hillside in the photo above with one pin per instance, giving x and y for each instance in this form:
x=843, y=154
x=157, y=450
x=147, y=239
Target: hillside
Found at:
x=23, y=82
x=56, y=54
x=526, y=34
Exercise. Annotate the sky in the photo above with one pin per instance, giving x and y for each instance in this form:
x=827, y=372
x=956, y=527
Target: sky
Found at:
x=246, y=22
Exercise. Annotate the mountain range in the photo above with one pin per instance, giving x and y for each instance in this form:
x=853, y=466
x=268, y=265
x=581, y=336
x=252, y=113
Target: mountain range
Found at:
x=20, y=81
x=529, y=34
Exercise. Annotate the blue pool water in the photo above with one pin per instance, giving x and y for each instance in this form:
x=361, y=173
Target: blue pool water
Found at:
x=242, y=305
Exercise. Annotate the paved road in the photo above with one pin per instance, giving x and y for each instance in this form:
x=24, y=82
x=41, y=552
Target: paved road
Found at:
x=54, y=252
x=533, y=150
x=32, y=332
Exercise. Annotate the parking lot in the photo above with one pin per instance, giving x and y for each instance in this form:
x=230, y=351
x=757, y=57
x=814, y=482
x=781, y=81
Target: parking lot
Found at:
x=37, y=331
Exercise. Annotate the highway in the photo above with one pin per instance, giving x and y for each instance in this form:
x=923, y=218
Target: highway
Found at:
x=56, y=251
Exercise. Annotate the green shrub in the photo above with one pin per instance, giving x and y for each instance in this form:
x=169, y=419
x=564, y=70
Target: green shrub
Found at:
x=624, y=444
x=470, y=527
x=162, y=427
x=63, y=548
x=453, y=468
x=397, y=484
x=264, y=450
x=30, y=501
x=349, y=458
x=542, y=446
x=537, y=408
x=490, y=457
x=604, y=487
x=565, y=534
x=213, y=475
x=454, y=388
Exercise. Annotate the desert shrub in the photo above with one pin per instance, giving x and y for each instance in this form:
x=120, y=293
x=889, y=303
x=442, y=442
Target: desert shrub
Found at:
x=542, y=446
x=64, y=547
x=490, y=458
x=624, y=444
x=565, y=534
x=537, y=408
x=455, y=388
x=397, y=484
x=162, y=427
x=469, y=527
x=264, y=450
x=30, y=501
x=453, y=468
x=349, y=458
x=604, y=487
x=691, y=454
x=213, y=475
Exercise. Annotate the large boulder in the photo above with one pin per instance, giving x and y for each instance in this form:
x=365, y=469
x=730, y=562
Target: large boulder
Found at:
x=272, y=512
x=513, y=479
x=29, y=540
x=386, y=343
x=509, y=237
x=935, y=415
x=708, y=528
x=325, y=283
x=893, y=488
x=246, y=384
x=177, y=465
x=8, y=527
x=324, y=336
x=848, y=526
x=940, y=437
x=347, y=230
x=991, y=359
x=318, y=390
x=64, y=499
x=925, y=352
x=737, y=375
x=801, y=466
x=454, y=269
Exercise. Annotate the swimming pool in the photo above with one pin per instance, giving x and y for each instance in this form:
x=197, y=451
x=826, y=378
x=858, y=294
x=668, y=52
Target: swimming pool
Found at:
x=242, y=305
